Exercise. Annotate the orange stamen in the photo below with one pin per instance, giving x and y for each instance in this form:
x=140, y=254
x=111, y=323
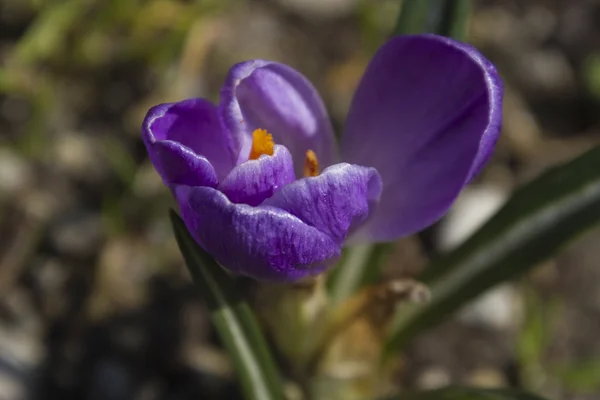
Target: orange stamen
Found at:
x=262, y=143
x=311, y=164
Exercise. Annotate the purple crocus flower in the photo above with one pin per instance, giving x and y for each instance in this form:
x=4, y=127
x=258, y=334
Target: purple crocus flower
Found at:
x=263, y=187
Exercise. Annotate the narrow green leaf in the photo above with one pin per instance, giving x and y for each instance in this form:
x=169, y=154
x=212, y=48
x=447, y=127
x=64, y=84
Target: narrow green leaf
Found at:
x=360, y=266
x=46, y=36
x=232, y=318
x=535, y=224
x=583, y=377
x=414, y=17
x=444, y=17
x=464, y=393
x=456, y=21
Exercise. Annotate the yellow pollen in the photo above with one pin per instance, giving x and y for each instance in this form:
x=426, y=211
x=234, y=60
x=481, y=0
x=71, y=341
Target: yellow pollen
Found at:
x=262, y=143
x=311, y=164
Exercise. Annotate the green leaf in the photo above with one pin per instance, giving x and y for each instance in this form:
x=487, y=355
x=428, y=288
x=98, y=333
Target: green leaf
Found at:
x=360, y=266
x=534, y=225
x=463, y=393
x=444, y=17
x=232, y=318
x=46, y=36
x=582, y=377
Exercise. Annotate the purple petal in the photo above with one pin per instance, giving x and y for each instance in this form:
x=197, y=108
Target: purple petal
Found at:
x=230, y=111
x=261, y=242
x=334, y=202
x=255, y=180
x=426, y=115
x=275, y=97
x=193, y=125
x=178, y=165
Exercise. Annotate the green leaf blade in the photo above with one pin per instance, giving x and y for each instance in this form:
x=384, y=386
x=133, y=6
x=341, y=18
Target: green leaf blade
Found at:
x=538, y=221
x=359, y=267
x=233, y=319
x=444, y=17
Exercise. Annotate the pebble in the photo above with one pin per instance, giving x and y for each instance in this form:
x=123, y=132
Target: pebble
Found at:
x=547, y=72
x=80, y=156
x=121, y=277
x=486, y=377
x=501, y=307
x=474, y=206
x=320, y=8
x=15, y=173
x=433, y=377
x=77, y=233
x=21, y=345
x=11, y=388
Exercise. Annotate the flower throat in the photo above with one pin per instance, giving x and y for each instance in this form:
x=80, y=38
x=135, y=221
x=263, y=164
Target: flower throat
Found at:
x=262, y=143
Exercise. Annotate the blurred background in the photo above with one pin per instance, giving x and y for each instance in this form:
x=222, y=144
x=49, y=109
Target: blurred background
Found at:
x=95, y=303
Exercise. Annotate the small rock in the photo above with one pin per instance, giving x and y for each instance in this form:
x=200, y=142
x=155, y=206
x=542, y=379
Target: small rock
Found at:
x=120, y=284
x=209, y=360
x=540, y=22
x=79, y=156
x=43, y=204
x=520, y=128
x=258, y=31
x=433, y=378
x=500, y=308
x=11, y=388
x=473, y=208
x=21, y=345
x=77, y=234
x=498, y=27
x=320, y=8
x=15, y=172
x=547, y=72
x=486, y=378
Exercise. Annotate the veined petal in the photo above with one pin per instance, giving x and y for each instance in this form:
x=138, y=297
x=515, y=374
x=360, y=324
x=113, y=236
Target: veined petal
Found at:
x=426, y=115
x=265, y=243
x=335, y=202
x=231, y=114
x=178, y=165
x=194, y=125
x=272, y=96
x=255, y=180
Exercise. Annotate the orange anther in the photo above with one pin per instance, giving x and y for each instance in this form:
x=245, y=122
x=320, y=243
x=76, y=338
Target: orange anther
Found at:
x=311, y=164
x=262, y=143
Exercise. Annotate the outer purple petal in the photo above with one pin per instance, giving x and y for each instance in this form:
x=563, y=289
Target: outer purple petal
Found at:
x=334, y=202
x=178, y=165
x=275, y=97
x=261, y=242
x=193, y=125
x=255, y=180
x=426, y=115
